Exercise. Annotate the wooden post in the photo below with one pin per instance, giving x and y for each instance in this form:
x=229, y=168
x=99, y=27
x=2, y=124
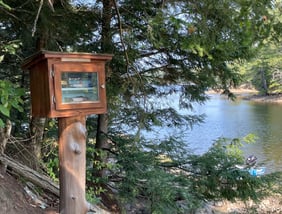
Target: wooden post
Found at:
x=72, y=157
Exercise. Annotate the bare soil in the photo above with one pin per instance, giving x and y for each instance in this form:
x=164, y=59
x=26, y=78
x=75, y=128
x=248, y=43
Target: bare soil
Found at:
x=14, y=200
x=270, y=205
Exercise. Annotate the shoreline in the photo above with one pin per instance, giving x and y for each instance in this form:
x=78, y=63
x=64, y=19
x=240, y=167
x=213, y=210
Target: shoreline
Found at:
x=275, y=98
x=253, y=95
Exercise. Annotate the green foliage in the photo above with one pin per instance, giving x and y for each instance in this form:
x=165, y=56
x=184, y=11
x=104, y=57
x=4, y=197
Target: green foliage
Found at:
x=9, y=47
x=275, y=181
x=264, y=71
x=52, y=166
x=145, y=176
x=91, y=196
x=171, y=180
x=11, y=98
x=96, y=183
x=50, y=149
x=216, y=176
x=50, y=156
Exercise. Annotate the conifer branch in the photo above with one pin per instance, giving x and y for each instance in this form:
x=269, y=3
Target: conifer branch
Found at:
x=120, y=33
x=122, y=40
x=36, y=18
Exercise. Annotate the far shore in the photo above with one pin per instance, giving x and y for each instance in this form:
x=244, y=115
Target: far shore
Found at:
x=253, y=95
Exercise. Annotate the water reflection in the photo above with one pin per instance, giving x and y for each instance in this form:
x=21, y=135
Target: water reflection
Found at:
x=237, y=119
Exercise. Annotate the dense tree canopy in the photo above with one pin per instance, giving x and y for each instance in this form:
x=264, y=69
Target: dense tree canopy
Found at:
x=264, y=71
x=160, y=48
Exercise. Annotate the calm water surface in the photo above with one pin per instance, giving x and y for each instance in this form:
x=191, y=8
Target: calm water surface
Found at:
x=237, y=119
x=225, y=118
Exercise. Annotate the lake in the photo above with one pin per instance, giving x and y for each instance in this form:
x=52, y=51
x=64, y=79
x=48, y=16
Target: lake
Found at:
x=233, y=119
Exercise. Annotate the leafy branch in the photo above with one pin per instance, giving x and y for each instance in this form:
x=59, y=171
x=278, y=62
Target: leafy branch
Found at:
x=10, y=98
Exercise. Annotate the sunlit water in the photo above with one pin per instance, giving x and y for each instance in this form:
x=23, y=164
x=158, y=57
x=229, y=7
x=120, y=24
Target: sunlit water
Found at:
x=225, y=118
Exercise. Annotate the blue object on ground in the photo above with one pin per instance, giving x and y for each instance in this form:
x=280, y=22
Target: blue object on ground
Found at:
x=257, y=171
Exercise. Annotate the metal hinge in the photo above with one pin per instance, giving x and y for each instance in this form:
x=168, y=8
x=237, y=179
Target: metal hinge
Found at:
x=52, y=73
x=54, y=99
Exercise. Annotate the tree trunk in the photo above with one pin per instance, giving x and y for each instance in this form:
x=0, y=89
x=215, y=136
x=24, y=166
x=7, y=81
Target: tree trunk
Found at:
x=5, y=134
x=102, y=142
x=102, y=123
x=37, y=126
x=264, y=81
